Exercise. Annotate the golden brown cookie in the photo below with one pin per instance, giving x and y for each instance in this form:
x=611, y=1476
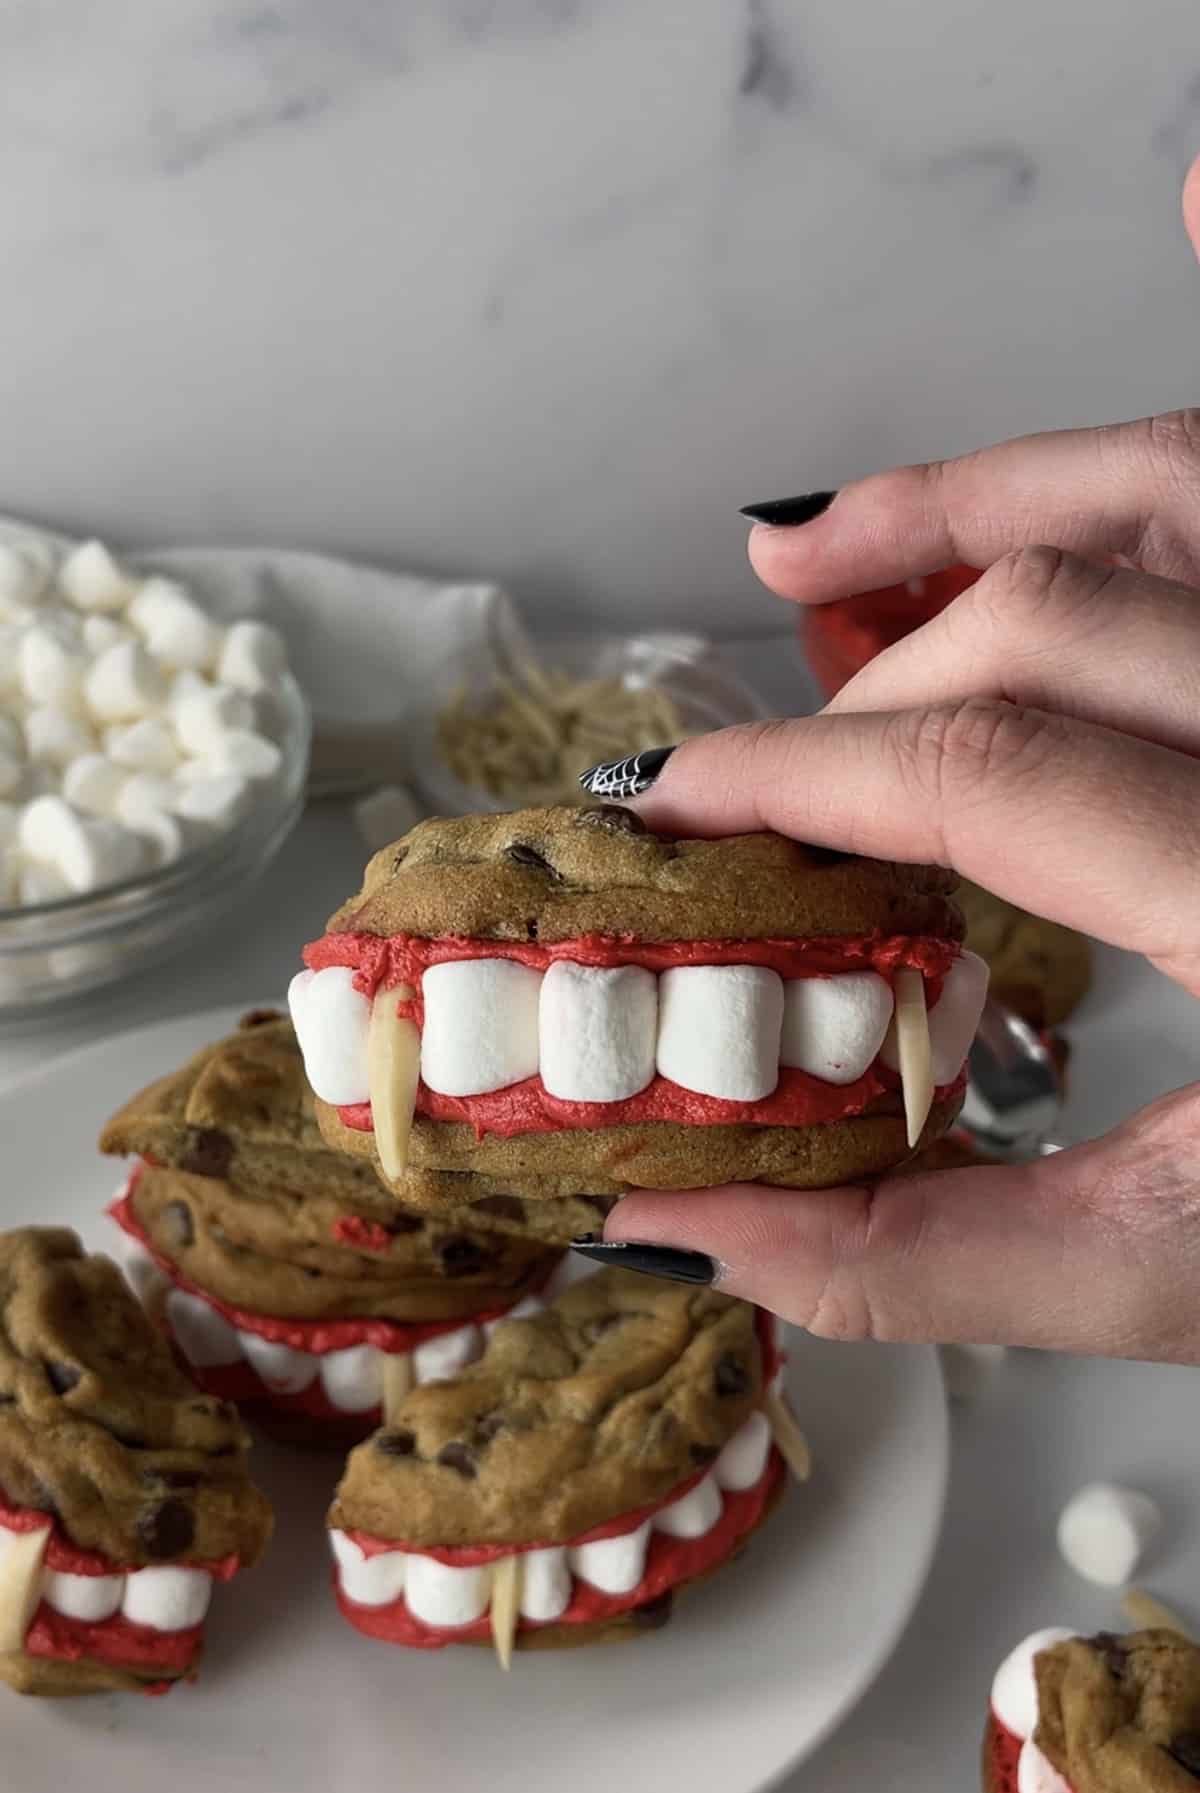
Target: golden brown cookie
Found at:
x=1039, y=969
x=1121, y=1714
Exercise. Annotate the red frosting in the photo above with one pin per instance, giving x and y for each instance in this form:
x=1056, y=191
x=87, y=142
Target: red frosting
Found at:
x=116, y=1642
x=669, y=1561
x=799, y=1099
x=840, y=638
x=363, y=1235
x=72, y=1559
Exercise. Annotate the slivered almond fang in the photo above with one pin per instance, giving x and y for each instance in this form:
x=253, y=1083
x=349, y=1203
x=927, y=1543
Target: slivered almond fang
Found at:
x=506, y=1606
x=393, y=1070
x=20, y=1585
x=790, y=1441
x=1149, y=1614
x=913, y=1050
x=398, y=1381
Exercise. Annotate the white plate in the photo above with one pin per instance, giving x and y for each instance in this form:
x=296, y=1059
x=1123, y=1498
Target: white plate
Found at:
x=754, y=1670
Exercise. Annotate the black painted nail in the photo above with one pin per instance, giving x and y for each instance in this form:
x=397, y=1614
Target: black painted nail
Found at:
x=629, y=777
x=651, y=1260
x=783, y=512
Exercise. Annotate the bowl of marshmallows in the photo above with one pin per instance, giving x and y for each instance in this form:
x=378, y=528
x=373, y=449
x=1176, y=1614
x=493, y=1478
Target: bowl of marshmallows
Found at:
x=153, y=758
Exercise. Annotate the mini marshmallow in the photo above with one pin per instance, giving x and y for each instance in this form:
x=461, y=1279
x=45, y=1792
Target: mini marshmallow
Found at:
x=1036, y=1774
x=101, y=632
x=11, y=772
x=93, y=783
x=1103, y=1530
x=203, y=1335
x=167, y=1599
x=37, y=883
x=442, y=1594
x=285, y=1371
x=203, y=718
x=353, y=1379
x=248, y=754
x=124, y=683
x=183, y=685
x=385, y=815
x=43, y=827
x=253, y=658
x=694, y=1514
x=51, y=667
x=93, y=580
x=216, y=802
x=144, y=746
x=56, y=735
x=438, y=1358
x=24, y=574
x=142, y=793
x=92, y=1598
x=101, y=852
x=545, y=1584
x=331, y=1019
x=597, y=1031
x=174, y=628
x=481, y=1025
x=1014, y=1688
x=614, y=1565
x=719, y=1029
x=744, y=1457
x=833, y=1027
x=375, y=1580
x=955, y=1015
x=162, y=833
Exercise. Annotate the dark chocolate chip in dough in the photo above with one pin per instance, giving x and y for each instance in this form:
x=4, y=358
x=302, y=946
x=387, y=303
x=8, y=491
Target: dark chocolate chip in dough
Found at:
x=459, y=1457
x=178, y=1225
x=654, y=1614
x=703, y=1453
x=531, y=928
x=731, y=1377
x=611, y=816
x=488, y=1426
x=1185, y=1749
x=504, y=1207
x=395, y=1443
x=43, y=1499
x=167, y=1529
x=520, y=854
x=461, y=1256
x=62, y=1377
x=209, y=1154
x=398, y=858
x=400, y=1225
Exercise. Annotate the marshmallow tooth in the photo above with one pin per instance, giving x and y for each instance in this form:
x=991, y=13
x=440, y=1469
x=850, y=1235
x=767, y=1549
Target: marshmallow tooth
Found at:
x=1036, y=1774
x=1103, y=1530
x=833, y=1027
x=443, y=1594
x=203, y=1335
x=1014, y=1688
x=444, y=1356
x=285, y=1371
x=332, y=1021
x=374, y=1580
x=92, y=1598
x=614, y=1565
x=597, y=1031
x=545, y=1584
x=744, y=1457
x=719, y=1029
x=955, y=1016
x=353, y=1379
x=167, y=1599
x=694, y=1514
x=481, y=1025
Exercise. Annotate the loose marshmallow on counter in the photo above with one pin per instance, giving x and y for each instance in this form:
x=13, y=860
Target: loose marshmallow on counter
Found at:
x=124, y=683
x=374, y=1580
x=719, y=1029
x=253, y=658
x=353, y=1378
x=833, y=1027
x=597, y=1031
x=57, y=735
x=331, y=1019
x=1036, y=1774
x=203, y=1335
x=1014, y=1689
x=92, y=1598
x=481, y=1025
x=93, y=580
x=442, y=1594
x=1103, y=1530
x=744, y=1457
x=446, y=1354
x=168, y=1599
x=174, y=628
x=545, y=1583
x=284, y=1370
x=614, y=1565
x=693, y=1514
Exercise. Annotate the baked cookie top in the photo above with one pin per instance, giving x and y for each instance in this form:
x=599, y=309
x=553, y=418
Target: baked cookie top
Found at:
x=100, y=1428
x=558, y=874
x=1121, y=1714
x=598, y=1406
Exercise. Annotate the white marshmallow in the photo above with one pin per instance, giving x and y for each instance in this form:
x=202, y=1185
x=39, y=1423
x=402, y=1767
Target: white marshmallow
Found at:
x=253, y=658
x=124, y=683
x=185, y=684
x=545, y=1583
x=614, y=1565
x=56, y=735
x=719, y=1029
x=481, y=1025
x=597, y=1031
x=694, y=1514
x=285, y=1371
x=93, y=783
x=50, y=665
x=442, y=1594
x=353, y=1378
x=167, y=1599
x=203, y=718
x=11, y=772
x=955, y=1015
x=174, y=628
x=744, y=1457
x=968, y=1369
x=1103, y=1530
x=524, y=1309
x=93, y=580
x=92, y=1598
x=248, y=754
x=44, y=826
x=331, y=1019
x=1014, y=1688
x=101, y=632
x=375, y=1580
x=216, y=802
x=833, y=1027
x=144, y=792
x=102, y=852
x=24, y=573
x=136, y=1264
x=1035, y=1774
x=439, y=1358
x=144, y=746
x=203, y=1335
x=385, y=815
x=37, y=883
x=164, y=835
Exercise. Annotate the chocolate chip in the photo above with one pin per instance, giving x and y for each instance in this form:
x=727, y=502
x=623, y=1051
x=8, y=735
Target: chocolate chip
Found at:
x=703, y=1453
x=43, y=1499
x=167, y=1529
x=655, y=1613
x=313, y=1275
x=1113, y=1651
x=731, y=1377
x=400, y=1225
x=398, y=858
x=62, y=1377
x=826, y=855
x=460, y=1458
x=461, y=1256
x=209, y=1154
x=531, y=928
x=177, y=1224
x=1185, y=1749
x=609, y=816
x=260, y=1017
x=520, y=854
x=487, y=1427
x=396, y=1443
x=504, y=1207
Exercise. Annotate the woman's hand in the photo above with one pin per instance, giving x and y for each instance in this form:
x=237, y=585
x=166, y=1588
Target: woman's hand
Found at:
x=1042, y=736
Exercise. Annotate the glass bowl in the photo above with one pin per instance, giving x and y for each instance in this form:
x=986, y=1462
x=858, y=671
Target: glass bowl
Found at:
x=51, y=953
x=688, y=669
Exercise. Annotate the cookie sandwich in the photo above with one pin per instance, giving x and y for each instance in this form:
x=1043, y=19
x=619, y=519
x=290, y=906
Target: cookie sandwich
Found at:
x=124, y=1493
x=560, y=998
x=600, y=1457
x=288, y=1279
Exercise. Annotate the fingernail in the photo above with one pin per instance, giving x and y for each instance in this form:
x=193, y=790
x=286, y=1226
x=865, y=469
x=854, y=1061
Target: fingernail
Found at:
x=781, y=513
x=651, y=1260
x=629, y=777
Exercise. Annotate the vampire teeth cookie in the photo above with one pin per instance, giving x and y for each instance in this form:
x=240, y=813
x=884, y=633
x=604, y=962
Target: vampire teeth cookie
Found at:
x=124, y=1494
x=557, y=994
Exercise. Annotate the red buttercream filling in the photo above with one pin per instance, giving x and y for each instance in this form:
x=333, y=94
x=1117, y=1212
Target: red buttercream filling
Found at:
x=799, y=1099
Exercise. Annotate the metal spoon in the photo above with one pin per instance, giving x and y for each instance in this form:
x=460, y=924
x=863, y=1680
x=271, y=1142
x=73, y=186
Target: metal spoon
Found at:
x=1014, y=1096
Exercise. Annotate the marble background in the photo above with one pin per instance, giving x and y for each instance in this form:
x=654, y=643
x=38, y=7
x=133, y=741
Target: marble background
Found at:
x=545, y=288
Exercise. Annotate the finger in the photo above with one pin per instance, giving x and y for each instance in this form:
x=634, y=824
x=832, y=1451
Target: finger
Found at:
x=1127, y=490
x=1079, y=824
x=1096, y=1249
x=1191, y=204
x=1046, y=628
